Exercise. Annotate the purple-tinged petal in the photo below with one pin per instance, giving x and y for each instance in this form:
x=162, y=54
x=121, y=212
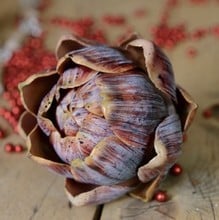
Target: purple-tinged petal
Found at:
x=96, y=126
x=90, y=95
x=34, y=88
x=132, y=105
x=86, y=96
x=93, y=129
x=156, y=63
x=70, y=101
x=75, y=77
x=80, y=194
x=66, y=121
x=115, y=159
x=186, y=108
x=68, y=148
x=100, y=58
x=46, y=125
x=46, y=101
x=42, y=152
x=110, y=162
x=87, y=140
x=168, y=138
x=70, y=127
x=79, y=115
x=84, y=173
x=44, y=122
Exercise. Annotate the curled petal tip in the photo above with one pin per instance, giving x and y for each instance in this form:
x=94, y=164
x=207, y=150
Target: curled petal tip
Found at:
x=155, y=63
x=34, y=88
x=186, y=108
x=69, y=43
x=26, y=124
x=131, y=37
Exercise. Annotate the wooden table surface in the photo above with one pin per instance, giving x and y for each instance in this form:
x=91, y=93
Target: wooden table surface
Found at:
x=30, y=192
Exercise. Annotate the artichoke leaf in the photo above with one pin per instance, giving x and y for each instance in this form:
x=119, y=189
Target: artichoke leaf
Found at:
x=34, y=88
x=167, y=144
x=102, y=59
x=42, y=152
x=186, y=108
x=80, y=194
x=152, y=59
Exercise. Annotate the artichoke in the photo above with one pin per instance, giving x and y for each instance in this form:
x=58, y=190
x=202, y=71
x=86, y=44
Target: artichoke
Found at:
x=110, y=119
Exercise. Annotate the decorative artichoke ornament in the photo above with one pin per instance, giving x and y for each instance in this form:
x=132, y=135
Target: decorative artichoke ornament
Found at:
x=110, y=119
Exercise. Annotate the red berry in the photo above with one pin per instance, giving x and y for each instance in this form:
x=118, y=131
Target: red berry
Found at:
x=176, y=170
x=185, y=137
x=18, y=148
x=215, y=31
x=161, y=196
x=9, y=148
x=207, y=113
x=1, y=134
x=199, y=33
x=15, y=110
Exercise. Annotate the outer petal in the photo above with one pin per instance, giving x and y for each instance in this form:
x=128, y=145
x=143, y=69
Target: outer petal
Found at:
x=168, y=138
x=186, y=108
x=100, y=58
x=110, y=162
x=26, y=124
x=68, y=148
x=156, y=63
x=75, y=77
x=70, y=43
x=132, y=105
x=93, y=130
x=90, y=95
x=116, y=159
x=42, y=152
x=34, y=88
x=83, y=194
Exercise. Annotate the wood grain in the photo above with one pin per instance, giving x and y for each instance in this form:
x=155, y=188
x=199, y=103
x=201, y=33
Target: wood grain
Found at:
x=29, y=192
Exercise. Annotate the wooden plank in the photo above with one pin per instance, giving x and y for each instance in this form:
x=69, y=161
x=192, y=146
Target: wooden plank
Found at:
x=29, y=192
